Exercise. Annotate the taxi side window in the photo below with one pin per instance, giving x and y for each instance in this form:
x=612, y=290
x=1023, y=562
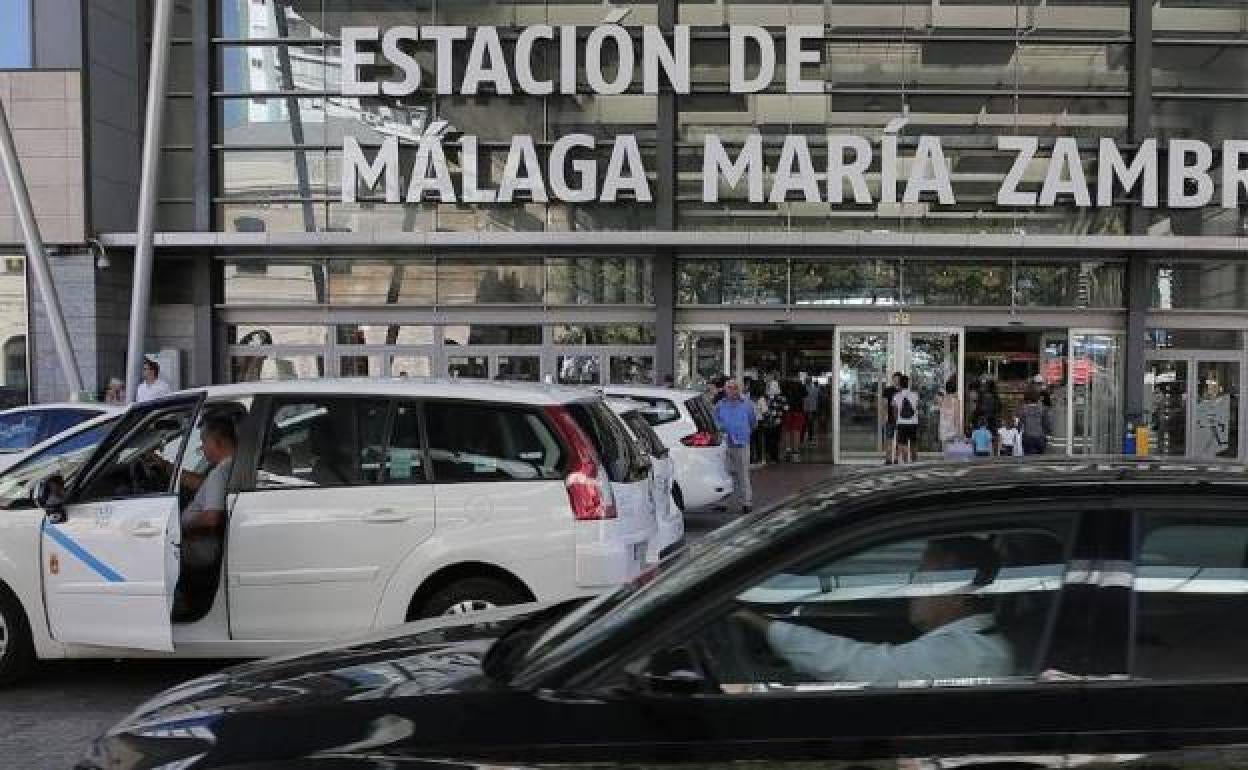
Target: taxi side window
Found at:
x=323, y=442
x=1191, y=598
x=143, y=462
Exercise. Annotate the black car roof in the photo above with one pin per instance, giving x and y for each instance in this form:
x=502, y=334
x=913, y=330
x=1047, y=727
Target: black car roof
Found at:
x=1025, y=478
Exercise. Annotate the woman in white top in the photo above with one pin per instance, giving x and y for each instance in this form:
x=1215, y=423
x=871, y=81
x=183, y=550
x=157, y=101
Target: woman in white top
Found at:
x=950, y=416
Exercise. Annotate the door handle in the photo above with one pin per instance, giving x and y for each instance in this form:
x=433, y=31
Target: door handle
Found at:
x=145, y=529
x=386, y=516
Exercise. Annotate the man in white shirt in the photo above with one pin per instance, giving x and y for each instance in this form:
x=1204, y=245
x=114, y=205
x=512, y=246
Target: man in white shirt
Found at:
x=906, y=407
x=960, y=639
x=152, y=386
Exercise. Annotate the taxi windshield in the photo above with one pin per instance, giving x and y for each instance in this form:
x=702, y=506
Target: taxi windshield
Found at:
x=65, y=458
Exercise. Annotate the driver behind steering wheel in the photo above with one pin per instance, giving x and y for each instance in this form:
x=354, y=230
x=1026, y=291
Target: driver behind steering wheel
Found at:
x=960, y=637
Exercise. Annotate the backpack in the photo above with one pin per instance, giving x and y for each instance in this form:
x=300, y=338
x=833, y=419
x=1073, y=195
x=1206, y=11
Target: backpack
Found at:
x=907, y=409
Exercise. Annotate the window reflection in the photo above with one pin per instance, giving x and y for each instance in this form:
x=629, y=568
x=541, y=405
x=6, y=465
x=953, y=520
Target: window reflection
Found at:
x=837, y=283
x=489, y=282
x=953, y=285
x=485, y=334
x=1200, y=286
x=600, y=281
x=604, y=334
x=358, y=282
x=14, y=377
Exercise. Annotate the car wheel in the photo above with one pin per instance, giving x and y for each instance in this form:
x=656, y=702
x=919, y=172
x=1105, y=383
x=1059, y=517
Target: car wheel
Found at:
x=17, y=650
x=471, y=595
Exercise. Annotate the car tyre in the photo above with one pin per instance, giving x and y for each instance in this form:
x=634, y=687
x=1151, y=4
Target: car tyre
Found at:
x=17, y=649
x=472, y=594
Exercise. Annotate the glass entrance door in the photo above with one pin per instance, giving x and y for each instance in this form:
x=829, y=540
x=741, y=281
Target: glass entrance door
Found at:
x=865, y=361
x=1192, y=406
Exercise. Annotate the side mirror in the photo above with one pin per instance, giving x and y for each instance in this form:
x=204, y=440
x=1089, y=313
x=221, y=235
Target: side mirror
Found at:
x=49, y=494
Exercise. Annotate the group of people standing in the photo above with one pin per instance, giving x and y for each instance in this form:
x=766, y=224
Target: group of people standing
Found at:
x=994, y=431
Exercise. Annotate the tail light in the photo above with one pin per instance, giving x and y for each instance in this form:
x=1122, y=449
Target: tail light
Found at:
x=589, y=494
x=701, y=438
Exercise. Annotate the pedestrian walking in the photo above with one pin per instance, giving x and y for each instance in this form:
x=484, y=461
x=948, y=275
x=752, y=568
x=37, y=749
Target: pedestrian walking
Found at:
x=773, y=423
x=735, y=416
x=951, y=429
x=794, y=421
x=1010, y=438
x=810, y=405
x=758, y=398
x=1037, y=423
x=152, y=386
x=890, y=419
x=906, y=404
x=981, y=439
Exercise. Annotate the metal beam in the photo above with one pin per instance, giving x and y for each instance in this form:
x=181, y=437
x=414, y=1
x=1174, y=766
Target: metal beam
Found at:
x=37, y=257
x=149, y=191
x=1139, y=275
x=664, y=264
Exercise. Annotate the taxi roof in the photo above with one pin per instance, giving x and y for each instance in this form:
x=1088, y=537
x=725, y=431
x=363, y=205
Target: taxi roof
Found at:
x=413, y=387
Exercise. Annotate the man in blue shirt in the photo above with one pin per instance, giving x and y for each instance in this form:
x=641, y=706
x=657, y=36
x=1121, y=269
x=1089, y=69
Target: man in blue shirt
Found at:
x=982, y=439
x=735, y=417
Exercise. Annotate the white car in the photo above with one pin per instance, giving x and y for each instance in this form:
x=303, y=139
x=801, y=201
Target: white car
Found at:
x=670, y=522
x=685, y=420
x=24, y=427
x=350, y=505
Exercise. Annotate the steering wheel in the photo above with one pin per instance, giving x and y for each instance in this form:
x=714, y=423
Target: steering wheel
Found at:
x=738, y=655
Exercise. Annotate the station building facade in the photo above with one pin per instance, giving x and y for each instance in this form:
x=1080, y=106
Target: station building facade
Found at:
x=1127, y=313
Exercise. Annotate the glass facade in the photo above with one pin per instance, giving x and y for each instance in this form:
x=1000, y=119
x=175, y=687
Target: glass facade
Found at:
x=897, y=282
x=504, y=303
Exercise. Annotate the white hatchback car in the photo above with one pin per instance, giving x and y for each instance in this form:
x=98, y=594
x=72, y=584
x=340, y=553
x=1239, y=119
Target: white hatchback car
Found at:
x=685, y=420
x=669, y=521
x=350, y=505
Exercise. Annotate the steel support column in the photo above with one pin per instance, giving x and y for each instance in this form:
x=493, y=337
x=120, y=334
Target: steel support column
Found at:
x=1139, y=277
x=149, y=190
x=37, y=257
x=665, y=215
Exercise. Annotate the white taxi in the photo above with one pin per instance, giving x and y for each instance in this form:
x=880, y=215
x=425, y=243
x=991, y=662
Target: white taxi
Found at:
x=344, y=506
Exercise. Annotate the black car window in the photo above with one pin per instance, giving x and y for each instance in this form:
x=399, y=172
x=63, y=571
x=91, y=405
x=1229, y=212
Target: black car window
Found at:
x=1191, y=597
x=656, y=411
x=645, y=434
x=958, y=606
x=489, y=442
x=323, y=442
x=615, y=448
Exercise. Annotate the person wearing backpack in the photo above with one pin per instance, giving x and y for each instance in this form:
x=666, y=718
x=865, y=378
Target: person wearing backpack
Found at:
x=1037, y=423
x=906, y=403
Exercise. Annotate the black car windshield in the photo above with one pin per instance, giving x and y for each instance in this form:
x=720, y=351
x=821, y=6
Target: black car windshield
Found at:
x=594, y=621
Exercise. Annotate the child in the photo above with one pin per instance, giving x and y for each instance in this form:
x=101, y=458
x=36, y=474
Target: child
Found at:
x=981, y=438
x=1011, y=438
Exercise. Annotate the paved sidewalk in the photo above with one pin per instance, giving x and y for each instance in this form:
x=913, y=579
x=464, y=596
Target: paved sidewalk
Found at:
x=772, y=483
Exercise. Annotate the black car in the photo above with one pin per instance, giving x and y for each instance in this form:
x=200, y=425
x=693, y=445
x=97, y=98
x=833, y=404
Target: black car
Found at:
x=1052, y=614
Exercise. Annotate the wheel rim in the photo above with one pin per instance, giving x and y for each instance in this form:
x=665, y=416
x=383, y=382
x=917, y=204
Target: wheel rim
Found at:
x=468, y=606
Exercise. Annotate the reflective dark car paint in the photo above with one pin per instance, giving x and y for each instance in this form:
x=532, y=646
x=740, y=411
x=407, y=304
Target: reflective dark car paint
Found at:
x=423, y=699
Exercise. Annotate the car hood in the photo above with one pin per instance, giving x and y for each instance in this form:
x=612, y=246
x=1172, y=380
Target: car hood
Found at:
x=346, y=694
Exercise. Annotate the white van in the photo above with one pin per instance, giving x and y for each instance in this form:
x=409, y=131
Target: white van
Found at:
x=351, y=505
